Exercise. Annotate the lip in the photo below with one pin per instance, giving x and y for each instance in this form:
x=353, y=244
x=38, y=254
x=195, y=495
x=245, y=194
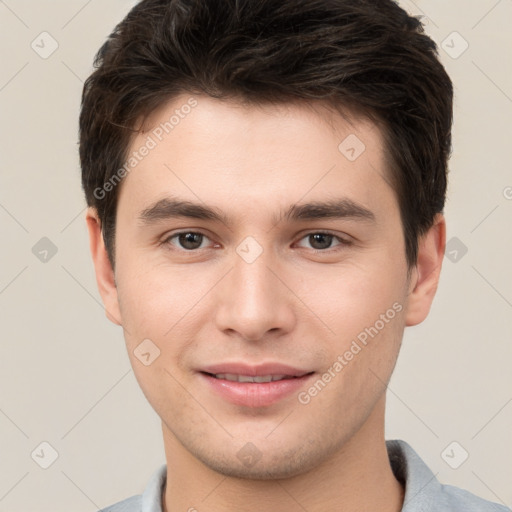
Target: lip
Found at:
x=255, y=394
x=256, y=370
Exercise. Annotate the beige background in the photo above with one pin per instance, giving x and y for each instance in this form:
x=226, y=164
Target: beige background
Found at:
x=64, y=375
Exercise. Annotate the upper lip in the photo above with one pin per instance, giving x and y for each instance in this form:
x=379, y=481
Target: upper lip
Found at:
x=256, y=370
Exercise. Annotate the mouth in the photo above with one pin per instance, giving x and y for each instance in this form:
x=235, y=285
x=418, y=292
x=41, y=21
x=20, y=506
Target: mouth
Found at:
x=232, y=377
x=254, y=386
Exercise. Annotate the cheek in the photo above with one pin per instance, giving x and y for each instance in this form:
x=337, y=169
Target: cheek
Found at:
x=149, y=300
x=162, y=303
x=144, y=287
x=354, y=297
x=154, y=308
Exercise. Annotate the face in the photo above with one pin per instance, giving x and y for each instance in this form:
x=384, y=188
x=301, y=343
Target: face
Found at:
x=252, y=246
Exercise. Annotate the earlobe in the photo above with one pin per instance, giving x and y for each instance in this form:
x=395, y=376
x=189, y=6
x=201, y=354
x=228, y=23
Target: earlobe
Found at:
x=427, y=271
x=104, y=273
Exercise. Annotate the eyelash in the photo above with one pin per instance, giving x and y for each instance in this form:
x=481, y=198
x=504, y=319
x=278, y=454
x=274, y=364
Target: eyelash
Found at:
x=342, y=242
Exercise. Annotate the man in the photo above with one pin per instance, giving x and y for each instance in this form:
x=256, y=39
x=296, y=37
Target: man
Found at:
x=265, y=183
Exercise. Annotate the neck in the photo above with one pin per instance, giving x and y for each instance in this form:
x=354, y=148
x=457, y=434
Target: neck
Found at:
x=357, y=477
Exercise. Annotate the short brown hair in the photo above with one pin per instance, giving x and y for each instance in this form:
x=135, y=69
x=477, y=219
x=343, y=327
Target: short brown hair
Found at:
x=366, y=55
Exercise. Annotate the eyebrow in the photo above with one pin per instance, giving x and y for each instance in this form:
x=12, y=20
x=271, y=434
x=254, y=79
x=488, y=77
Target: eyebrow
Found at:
x=169, y=208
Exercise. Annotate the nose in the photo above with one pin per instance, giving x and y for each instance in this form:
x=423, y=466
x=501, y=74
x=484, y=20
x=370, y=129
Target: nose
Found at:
x=253, y=302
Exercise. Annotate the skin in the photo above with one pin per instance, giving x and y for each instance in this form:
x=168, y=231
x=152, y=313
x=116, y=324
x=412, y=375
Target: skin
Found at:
x=293, y=304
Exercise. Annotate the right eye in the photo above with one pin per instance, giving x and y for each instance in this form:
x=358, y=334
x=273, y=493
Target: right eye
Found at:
x=186, y=240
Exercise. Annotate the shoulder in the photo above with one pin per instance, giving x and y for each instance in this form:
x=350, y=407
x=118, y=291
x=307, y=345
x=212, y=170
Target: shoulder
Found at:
x=455, y=499
x=149, y=501
x=132, y=504
x=424, y=493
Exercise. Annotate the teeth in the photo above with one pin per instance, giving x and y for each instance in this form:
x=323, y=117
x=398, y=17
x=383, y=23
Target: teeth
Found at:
x=266, y=378
x=248, y=378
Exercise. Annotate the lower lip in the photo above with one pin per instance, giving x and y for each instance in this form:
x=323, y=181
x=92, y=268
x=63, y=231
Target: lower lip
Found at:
x=256, y=394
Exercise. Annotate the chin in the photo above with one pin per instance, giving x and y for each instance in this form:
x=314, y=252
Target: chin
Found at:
x=252, y=464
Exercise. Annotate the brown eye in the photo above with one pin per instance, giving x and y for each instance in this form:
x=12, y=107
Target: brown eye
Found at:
x=188, y=240
x=320, y=241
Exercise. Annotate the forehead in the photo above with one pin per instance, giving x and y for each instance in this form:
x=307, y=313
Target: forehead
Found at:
x=243, y=155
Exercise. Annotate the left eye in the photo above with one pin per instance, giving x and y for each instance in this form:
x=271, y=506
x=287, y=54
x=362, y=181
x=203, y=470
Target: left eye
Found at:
x=321, y=241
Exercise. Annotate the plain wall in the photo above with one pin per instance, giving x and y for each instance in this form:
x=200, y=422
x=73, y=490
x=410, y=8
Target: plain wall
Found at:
x=65, y=377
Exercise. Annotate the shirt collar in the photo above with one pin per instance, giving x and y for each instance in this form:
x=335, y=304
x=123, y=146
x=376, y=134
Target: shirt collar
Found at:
x=421, y=485
x=152, y=495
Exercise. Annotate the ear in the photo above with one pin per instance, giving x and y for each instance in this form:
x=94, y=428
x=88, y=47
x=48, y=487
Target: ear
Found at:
x=425, y=275
x=105, y=278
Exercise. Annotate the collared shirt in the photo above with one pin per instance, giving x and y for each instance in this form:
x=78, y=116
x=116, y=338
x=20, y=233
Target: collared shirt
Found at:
x=423, y=492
